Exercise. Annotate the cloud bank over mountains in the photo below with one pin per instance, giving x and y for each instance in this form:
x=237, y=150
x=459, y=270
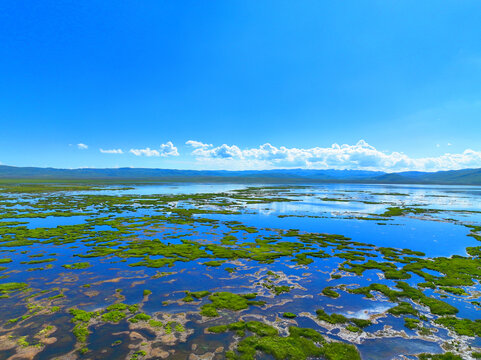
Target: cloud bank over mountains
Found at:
x=358, y=156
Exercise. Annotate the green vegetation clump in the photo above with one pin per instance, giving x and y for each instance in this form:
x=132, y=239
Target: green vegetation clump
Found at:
x=21, y=341
x=214, y=263
x=81, y=332
x=436, y=306
x=341, y=319
x=77, y=266
x=281, y=289
x=228, y=240
x=196, y=294
x=39, y=261
x=353, y=328
x=400, y=211
x=300, y=344
x=331, y=319
x=403, y=308
x=155, y=323
x=329, y=292
x=461, y=326
x=199, y=294
x=113, y=316
x=117, y=306
x=136, y=355
x=362, y=323
x=454, y=290
x=82, y=315
x=10, y=287
x=188, y=298
x=445, y=356
x=411, y=323
x=230, y=301
x=140, y=317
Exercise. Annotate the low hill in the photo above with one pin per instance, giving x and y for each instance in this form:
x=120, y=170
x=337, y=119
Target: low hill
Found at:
x=459, y=177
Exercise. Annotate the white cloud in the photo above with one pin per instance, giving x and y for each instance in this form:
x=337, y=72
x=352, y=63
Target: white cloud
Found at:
x=358, y=156
x=167, y=149
x=198, y=144
x=82, y=146
x=146, y=152
x=111, y=151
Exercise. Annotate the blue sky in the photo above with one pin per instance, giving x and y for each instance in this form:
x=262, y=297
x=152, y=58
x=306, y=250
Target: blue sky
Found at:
x=402, y=76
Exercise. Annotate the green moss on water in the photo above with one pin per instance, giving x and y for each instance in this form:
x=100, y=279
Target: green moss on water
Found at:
x=200, y=294
x=214, y=263
x=140, y=317
x=341, y=319
x=281, y=289
x=196, y=294
x=138, y=354
x=353, y=328
x=445, y=356
x=22, y=341
x=400, y=211
x=403, y=308
x=474, y=251
x=300, y=344
x=455, y=291
x=461, y=326
x=39, y=261
x=155, y=323
x=188, y=298
x=328, y=291
x=362, y=323
x=10, y=287
x=113, y=316
x=58, y=296
x=77, y=266
x=228, y=240
x=411, y=323
x=117, y=306
x=436, y=306
x=332, y=319
x=289, y=315
x=229, y=301
x=81, y=332
x=82, y=315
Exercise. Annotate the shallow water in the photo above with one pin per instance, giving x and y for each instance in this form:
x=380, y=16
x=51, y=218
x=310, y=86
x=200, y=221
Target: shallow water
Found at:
x=142, y=218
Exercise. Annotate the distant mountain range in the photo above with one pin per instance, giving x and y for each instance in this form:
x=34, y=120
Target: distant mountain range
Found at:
x=458, y=177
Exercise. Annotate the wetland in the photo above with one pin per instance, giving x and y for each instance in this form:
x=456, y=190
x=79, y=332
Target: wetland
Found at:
x=219, y=271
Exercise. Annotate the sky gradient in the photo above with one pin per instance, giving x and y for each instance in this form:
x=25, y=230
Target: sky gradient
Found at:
x=205, y=85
